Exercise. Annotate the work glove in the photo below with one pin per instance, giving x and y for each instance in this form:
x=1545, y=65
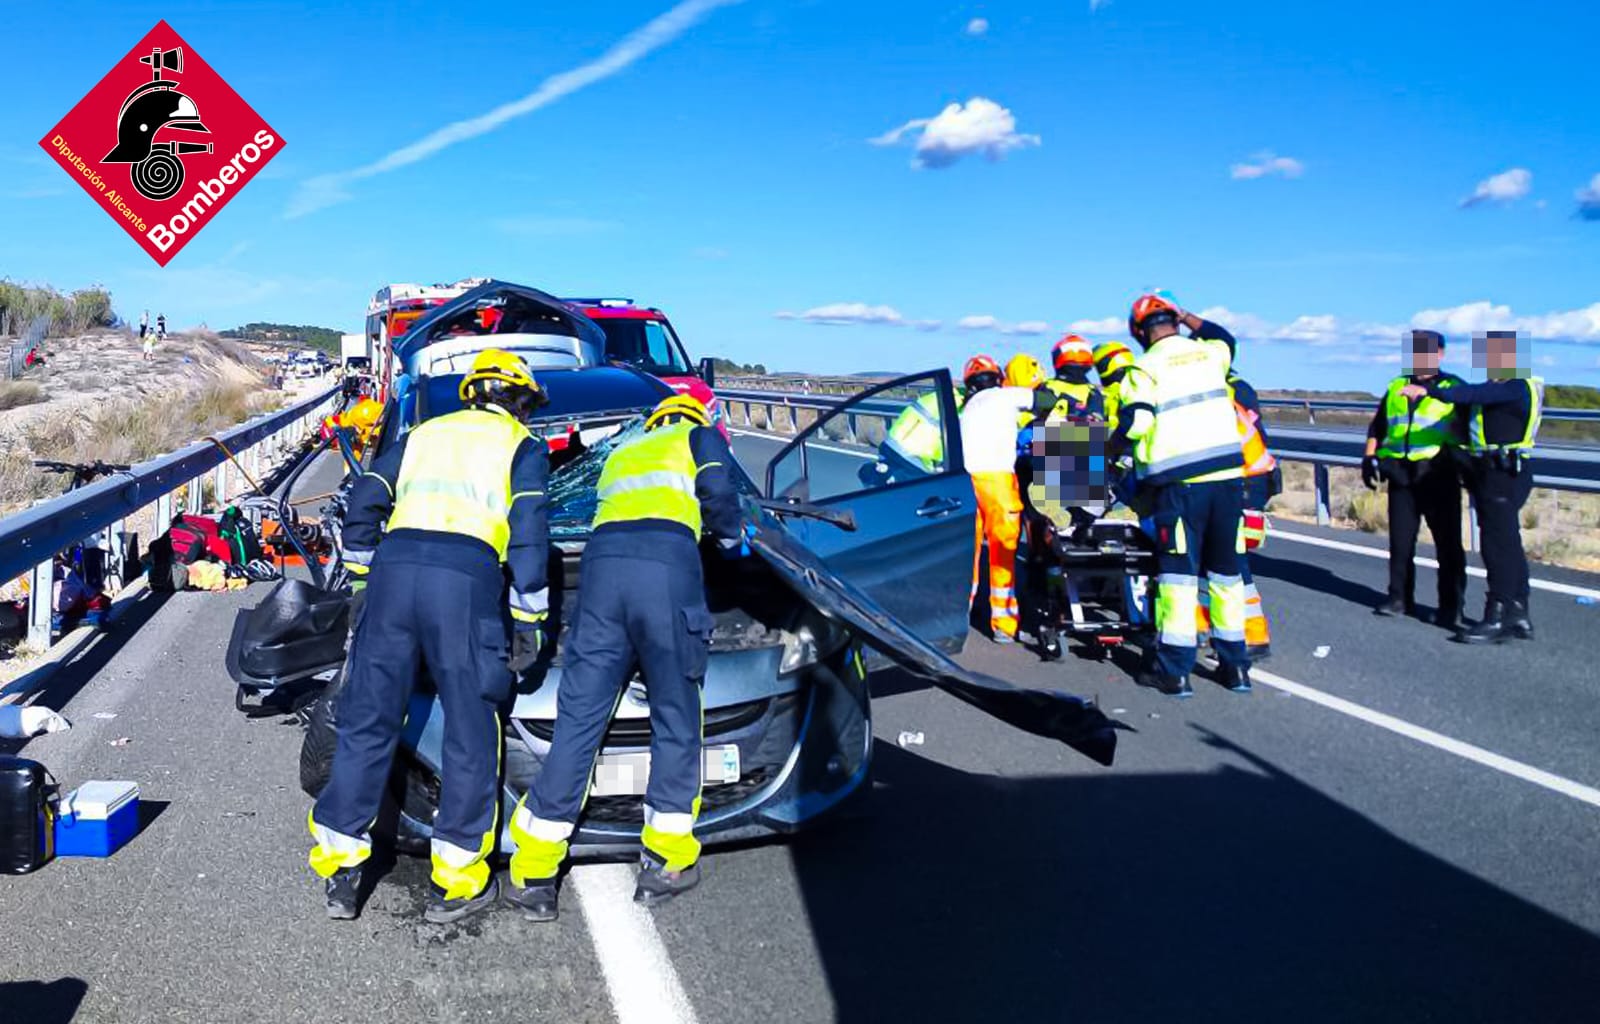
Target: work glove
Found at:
x=1369, y=472
x=526, y=643
x=22, y=722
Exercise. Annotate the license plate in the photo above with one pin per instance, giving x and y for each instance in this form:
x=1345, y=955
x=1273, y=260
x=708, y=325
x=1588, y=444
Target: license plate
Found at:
x=629, y=774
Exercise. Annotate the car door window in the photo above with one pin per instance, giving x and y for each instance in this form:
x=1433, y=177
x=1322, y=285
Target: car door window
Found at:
x=662, y=349
x=893, y=435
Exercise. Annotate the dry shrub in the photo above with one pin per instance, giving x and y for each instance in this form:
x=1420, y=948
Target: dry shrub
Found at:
x=16, y=393
x=1368, y=510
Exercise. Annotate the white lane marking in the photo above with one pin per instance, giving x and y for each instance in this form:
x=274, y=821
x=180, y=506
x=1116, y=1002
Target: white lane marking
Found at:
x=640, y=978
x=1472, y=570
x=1487, y=758
x=809, y=444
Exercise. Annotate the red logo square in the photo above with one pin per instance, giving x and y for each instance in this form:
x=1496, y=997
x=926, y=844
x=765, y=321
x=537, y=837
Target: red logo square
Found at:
x=162, y=143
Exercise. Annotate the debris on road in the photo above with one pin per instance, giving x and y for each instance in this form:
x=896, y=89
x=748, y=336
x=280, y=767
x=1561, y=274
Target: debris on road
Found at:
x=238, y=814
x=1119, y=711
x=1586, y=599
x=910, y=739
x=106, y=715
x=121, y=741
x=1321, y=652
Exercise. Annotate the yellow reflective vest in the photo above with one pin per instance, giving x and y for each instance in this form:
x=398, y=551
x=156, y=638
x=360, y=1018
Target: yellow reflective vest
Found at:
x=1184, y=425
x=1415, y=433
x=651, y=477
x=916, y=434
x=455, y=476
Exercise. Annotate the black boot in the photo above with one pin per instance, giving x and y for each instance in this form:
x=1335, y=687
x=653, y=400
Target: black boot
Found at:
x=1049, y=643
x=443, y=911
x=1391, y=608
x=657, y=885
x=1449, y=618
x=1172, y=686
x=537, y=900
x=343, y=889
x=1492, y=629
x=1516, y=616
x=1234, y=677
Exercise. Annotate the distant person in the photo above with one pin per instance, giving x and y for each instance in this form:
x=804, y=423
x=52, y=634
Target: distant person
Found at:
x=144, y=324
x=161, y=327
x=1502, y=417
x=1413, y=444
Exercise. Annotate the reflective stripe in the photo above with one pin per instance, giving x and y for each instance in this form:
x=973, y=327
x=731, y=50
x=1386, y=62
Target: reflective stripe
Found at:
x=1190, y=459
x=645, y=481
x=1219, y=580
x=541, y=845
x=356, y=556
x=380, y=478
x=1174, y=579
x=1479, y=439
x=1183, y=400
x=335, y=850
x=1415, y=432
x=536, y=603
x=668, y=822
x=523, y=820
x=916, y=434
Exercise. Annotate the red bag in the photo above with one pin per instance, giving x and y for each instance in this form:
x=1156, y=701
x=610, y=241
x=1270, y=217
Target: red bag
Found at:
x=195, y=537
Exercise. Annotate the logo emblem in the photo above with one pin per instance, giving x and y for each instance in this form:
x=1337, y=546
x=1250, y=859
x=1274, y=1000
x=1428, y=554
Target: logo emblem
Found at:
x=165, y=172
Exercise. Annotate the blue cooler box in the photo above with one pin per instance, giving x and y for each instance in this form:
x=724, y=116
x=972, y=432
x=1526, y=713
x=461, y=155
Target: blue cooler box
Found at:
x=95, y=819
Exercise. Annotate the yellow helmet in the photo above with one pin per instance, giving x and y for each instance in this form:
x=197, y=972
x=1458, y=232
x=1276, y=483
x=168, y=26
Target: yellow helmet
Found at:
x=1111, y=356
x=676, y=407
x=1023, y=372
x=502, y=378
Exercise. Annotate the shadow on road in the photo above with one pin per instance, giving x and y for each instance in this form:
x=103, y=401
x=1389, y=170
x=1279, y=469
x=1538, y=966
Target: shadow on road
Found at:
x=1315, y=577
x=1239, y=894
x=40, y=1002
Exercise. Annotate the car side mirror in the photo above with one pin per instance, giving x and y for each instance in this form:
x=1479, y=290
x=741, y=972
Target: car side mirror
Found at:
x=708, y=372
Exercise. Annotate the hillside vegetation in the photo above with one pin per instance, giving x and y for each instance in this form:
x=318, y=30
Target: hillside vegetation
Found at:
x=302, y=335
x=74, y=313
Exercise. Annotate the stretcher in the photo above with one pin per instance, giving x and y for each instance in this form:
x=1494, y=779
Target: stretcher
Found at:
x=1094, y=579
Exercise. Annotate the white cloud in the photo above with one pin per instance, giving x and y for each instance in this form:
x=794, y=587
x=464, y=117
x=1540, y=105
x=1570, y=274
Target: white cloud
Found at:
x=1504, y=187
x=926, y=325
x=985, y=322
x=554, y=227
x=978, y=127
x=1029, y=328
x=978, y=323
x=839, y=313
x=977, y=27
x=1581, y=325
x=328, y=189
x=1268, y=164
x=1589, y=200
x=1117, y=325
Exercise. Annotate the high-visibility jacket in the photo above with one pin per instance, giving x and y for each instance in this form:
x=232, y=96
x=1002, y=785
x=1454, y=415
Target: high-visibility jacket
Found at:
x=917, y=433
x=651, y=477
x=1258, y=459
x=1181, y=415
x=1058, y=400
x=1417, y=432
x=455, y=476
x=1479, y=438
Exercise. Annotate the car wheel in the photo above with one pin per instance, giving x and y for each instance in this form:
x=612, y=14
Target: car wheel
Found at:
x=322, y=735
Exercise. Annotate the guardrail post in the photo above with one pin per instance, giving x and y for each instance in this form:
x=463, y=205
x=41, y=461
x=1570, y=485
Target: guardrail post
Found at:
x=163, y=513
x=116, y=546
x=196, y=503
x=1324, y=514
x=41, y=602
x=220, y=485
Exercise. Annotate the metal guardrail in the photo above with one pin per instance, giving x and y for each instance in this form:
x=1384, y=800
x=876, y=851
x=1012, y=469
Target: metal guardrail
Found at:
x=1563, y=469
x=32, y=538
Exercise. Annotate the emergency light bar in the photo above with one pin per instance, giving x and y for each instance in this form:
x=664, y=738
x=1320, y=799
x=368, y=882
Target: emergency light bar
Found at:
x=610, y=303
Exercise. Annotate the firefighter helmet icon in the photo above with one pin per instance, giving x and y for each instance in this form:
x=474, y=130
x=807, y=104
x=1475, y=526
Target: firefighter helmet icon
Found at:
x=151, y=109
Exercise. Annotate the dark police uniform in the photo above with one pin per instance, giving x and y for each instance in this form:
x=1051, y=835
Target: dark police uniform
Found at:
x=1502, y=424
x=641, y=604
x=461, y=495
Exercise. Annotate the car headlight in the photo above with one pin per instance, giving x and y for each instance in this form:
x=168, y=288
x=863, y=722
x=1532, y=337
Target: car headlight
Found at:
x=810, y=642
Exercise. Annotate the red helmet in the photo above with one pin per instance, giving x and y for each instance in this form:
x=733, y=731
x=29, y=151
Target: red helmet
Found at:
x=979, y=365
x=1148, y=307
x=1072, y=350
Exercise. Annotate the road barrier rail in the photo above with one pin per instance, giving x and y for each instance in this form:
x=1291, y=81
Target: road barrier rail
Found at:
x=31, y=539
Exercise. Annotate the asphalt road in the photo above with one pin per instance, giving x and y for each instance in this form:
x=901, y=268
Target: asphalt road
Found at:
x=1259, y=857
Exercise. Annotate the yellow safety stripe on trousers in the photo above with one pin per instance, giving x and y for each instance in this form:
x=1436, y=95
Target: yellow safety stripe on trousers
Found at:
x=335, y=850
x=670, y=834
x=1226, y=604
x=463, y=873
x=1177, y=597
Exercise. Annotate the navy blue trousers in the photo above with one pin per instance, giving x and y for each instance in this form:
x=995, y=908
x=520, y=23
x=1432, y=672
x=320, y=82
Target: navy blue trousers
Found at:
x=641, y=603
x=439, y=605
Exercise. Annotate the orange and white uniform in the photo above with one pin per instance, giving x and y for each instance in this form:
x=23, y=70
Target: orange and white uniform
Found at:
x=989, y=445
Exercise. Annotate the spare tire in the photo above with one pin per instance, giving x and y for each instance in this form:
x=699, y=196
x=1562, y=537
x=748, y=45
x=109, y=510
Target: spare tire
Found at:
x=322, y=735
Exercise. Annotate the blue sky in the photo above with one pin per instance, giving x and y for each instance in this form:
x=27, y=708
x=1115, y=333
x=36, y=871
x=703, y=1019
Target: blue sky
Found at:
x=835, y=186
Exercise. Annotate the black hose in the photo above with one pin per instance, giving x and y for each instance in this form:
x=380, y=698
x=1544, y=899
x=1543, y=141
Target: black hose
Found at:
x=284, y=490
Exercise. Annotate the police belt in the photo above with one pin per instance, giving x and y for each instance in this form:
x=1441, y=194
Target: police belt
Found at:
x=1506, y=460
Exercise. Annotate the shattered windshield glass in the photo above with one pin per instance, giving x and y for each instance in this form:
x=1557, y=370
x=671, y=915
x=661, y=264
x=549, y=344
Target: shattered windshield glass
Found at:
x=573, y=487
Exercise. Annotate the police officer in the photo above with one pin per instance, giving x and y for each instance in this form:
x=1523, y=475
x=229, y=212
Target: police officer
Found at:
x=642, y=602
x=1412, y=443
x=1502, y=422
x=1177, y=414
x=457, y=502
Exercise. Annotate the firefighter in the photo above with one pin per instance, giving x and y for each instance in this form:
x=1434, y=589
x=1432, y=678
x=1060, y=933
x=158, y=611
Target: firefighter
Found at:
x=642, y=604
x=458, y=502
x=1413, y=444
x=914, y=445
x=989, y=429
x=1502, y=415
x=1177, y=415
x=1111, y=362
x=1069, y=395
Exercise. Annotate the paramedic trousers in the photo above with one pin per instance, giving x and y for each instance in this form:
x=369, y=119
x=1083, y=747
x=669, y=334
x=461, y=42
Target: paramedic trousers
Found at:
x=641, y=604
x=1426, y=492
x=1197, y=530
x=439, y=602
x=999, y=525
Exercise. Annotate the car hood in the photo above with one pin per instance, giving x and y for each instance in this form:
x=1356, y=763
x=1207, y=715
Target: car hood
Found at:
x=1075, y=721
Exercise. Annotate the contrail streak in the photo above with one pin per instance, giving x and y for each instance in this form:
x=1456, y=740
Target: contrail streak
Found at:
x=327, y=189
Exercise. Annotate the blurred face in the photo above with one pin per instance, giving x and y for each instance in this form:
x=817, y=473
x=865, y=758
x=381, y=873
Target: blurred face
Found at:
x=1422, y=359
x=1497, y=353
x=1070, y=460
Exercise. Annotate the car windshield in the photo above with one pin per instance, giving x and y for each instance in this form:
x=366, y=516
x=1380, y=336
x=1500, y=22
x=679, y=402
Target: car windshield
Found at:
x=648, y=344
